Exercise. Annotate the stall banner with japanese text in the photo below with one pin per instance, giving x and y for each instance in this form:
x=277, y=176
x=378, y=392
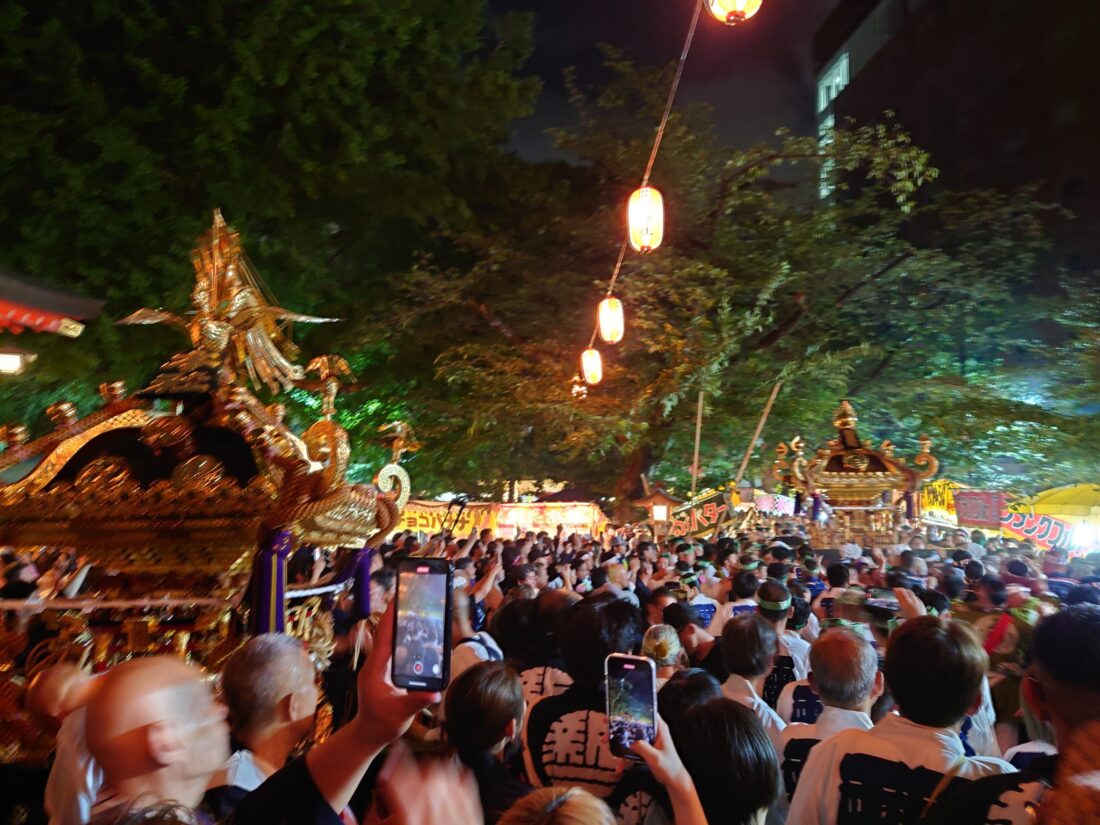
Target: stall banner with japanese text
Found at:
x=980, y=508
x=428, y=517
x=941, y=497
x=1045, y=531
x=584, y=518
x=775, y=504
x=702, y=515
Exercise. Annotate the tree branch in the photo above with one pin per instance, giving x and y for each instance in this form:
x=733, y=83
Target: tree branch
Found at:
x=771, y=338
x=874, y=276
x=493, y=321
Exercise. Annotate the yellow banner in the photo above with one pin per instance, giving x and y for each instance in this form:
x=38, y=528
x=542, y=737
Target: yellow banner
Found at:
x=939, y=496
x=428, y=517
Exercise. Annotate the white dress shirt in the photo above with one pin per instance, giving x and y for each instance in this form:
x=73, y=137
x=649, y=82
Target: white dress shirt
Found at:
x=812, y=629
x=75, y=778
x=896, y=749
x=832, y=720
x=740, y=690
x=793, y=645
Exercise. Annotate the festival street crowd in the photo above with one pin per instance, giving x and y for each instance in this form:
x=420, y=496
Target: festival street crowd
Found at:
x=943, y=677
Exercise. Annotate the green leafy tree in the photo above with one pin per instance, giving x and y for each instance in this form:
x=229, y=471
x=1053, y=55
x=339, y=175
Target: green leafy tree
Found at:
x=891, y=291
x=336, y=136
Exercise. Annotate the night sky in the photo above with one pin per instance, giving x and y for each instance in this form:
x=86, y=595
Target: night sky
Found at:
x=757, y=77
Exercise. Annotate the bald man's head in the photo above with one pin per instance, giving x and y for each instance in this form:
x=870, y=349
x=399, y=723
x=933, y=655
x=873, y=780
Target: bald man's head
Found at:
x=57, y=691
x=156, y=730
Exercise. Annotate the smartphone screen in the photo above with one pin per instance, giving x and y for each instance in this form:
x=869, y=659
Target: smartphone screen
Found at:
x=631, y=702
x=883, y=599
x=422, y=624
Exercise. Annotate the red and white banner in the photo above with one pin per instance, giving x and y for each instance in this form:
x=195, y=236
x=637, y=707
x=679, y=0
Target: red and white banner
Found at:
x=979, y=508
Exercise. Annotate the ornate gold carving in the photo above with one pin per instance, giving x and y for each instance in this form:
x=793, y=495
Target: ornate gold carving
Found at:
x=112, y=391
x=169, y=433
x=327, y=443
x=845, y=418
x=399, y=439
x=385, y=480
x=234, y=328
x=198, y=471
x=62, y=414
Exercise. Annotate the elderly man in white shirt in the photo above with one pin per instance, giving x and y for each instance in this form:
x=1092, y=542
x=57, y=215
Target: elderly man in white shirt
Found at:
x=897, y=770
x=749, y=649
x=845, y=675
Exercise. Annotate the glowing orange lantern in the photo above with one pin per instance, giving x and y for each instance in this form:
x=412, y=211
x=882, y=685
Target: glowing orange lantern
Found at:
x=592, y=365
x=645, y=215
x=611, y=320
x=732, y=12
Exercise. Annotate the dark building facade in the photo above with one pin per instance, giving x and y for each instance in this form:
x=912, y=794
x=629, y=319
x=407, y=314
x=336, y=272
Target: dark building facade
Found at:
x=1002, y=93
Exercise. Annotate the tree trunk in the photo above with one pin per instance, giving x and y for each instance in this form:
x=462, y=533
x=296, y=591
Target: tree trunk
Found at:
x=628, y=487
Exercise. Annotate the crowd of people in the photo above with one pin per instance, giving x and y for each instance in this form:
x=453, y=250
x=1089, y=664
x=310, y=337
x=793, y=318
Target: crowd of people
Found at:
x=947, y=678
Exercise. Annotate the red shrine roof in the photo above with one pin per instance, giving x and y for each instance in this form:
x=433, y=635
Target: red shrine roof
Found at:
x=26, y=305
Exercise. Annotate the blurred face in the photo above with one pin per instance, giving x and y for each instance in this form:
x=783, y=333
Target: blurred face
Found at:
x=201, y=728
x=304, y=697
x=689, y=639
x=379, y=597
x=654, y=611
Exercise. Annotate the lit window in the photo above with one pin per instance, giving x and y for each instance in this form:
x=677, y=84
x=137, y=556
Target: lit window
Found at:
x=832, y=82
x=825, y=139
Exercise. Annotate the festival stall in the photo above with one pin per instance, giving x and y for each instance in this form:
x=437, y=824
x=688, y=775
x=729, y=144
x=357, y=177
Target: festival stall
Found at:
x=504, y=519
x=1066, y=517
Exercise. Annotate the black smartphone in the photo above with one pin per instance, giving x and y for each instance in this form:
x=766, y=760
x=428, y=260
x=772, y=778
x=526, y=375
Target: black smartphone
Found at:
x=883, y=599
x=422, y=624
x=631, y=702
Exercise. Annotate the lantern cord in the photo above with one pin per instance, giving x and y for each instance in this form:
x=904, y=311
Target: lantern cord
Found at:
x=656, y=148
x=672, y=93
x=610, y=288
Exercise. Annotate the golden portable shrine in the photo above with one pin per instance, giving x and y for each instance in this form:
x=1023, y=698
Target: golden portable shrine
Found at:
x=181, y=495
x=869, y=491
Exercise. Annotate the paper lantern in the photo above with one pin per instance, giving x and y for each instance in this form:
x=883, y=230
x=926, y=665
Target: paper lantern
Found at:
x=611, y=320
x=732, y=12
x=646, y=219
x=592, y=365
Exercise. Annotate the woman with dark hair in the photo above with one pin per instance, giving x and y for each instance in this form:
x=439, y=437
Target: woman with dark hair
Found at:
x=511, y=627
x=684, y=691
x=724, y=747
x=484, y=710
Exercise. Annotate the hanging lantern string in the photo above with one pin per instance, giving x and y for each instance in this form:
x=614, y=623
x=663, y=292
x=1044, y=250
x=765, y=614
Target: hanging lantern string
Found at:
x=672, y=93
x=610, y=287
x=673, y=89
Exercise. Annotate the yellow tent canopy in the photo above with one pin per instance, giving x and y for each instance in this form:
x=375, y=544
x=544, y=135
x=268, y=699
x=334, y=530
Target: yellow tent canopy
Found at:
x=1071, y=502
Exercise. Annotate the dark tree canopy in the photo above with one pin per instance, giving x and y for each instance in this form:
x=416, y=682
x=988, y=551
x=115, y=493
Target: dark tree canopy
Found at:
x=358, y=148
x=335, y=136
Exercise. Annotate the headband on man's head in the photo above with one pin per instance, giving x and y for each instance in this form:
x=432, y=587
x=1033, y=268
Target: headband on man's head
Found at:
x=841, y=623
x=773, y=606
x=752, y=565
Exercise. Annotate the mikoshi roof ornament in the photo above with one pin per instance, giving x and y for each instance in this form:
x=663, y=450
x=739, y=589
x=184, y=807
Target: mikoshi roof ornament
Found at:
x=181, y=487
x=861, y=482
